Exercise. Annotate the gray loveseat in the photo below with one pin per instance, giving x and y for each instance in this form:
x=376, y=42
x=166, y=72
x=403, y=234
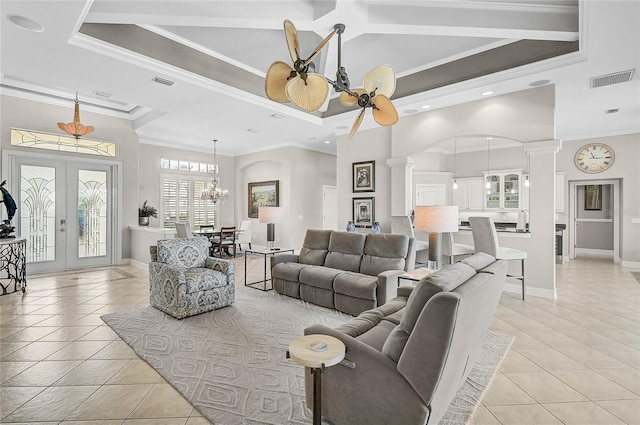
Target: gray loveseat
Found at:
x=350, y=272
x=406, y=359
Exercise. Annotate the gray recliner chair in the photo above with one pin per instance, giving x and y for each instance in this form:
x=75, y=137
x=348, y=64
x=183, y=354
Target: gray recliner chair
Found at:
x=406, y=359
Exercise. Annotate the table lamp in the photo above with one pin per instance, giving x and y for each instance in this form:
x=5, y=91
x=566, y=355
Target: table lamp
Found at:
x=271, y=215
x=436, y=219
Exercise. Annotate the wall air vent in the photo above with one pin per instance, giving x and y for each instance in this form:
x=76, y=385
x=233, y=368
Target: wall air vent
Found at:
x=615, y=78
x=163, y=81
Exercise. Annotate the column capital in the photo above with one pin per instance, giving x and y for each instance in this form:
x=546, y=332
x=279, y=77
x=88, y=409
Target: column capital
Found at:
x=547, y=146
x=404, y=161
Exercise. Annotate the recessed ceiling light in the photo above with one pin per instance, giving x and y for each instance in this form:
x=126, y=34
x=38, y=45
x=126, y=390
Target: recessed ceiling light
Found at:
x=426, y=106
x=539, y=83
x=487, y=93
x=25, y=23
x=342, y=127
x=327, y=142
x=489, y=138
x=410, y=111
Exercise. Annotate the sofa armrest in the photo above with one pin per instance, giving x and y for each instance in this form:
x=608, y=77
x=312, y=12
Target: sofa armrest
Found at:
x=284, y=258
x=225, y=266
x=405, y=290
x=387, y=286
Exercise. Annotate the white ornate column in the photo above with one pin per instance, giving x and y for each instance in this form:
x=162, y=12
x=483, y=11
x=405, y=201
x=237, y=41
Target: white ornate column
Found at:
x=401, y=185
x=541, y=264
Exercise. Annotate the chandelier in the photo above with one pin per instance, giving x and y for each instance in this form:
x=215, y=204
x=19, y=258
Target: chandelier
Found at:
x=75, y=128
x=213, y=193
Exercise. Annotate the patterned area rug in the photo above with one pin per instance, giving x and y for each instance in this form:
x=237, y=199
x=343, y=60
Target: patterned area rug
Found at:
x=230, y=363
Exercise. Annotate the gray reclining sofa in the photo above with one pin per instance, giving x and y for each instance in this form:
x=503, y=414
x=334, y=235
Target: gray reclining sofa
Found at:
x=350, y=272
x=406, y=359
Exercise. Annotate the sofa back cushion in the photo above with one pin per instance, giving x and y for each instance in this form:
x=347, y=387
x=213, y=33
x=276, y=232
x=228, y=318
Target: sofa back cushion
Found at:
x=446, y=279
x=184, y=253
x=384, y=251
x=315, y=247
x=345, y=251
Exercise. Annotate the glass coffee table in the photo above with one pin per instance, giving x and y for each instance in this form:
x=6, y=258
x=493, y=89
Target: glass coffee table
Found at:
x=265, y=252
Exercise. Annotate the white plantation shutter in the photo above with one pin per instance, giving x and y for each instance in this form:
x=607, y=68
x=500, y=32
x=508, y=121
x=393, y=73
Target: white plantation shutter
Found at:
x=181, y=202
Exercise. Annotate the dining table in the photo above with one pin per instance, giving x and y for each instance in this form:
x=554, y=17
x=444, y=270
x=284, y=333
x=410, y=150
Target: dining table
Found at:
x=211, y=234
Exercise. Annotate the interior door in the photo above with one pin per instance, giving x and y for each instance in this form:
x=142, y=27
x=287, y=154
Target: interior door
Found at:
x=65, y=212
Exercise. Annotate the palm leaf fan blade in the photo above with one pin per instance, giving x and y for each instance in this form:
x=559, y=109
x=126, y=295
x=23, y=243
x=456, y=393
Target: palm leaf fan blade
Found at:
x=309, y=95
x=291, y=34
x=356, y=124
x=381, y=80
x=276, y=81
x=347, y=99
x=384, y=112
x=320, y=46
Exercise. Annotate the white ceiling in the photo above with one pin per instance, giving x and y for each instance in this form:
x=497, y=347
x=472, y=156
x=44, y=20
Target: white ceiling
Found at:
x=217, y=52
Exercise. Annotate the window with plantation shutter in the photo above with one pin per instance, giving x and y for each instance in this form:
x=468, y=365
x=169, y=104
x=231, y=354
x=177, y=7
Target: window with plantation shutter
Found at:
x=181, y=202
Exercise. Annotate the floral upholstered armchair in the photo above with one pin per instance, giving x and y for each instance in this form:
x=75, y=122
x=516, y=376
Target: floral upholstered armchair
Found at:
x=185, y=281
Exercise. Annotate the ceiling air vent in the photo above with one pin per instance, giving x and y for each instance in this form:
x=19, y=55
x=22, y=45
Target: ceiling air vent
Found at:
x=612, y=111
x=615, y=78
x=163, y=81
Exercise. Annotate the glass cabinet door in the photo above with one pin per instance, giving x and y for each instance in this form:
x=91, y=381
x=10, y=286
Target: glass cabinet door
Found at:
x=493, y=191
x=512, y=191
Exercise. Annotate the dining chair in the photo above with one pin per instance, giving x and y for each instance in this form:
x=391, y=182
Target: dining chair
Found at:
x=485, y=239
x=245, y=234
x=224, y=241
x=402, y=225
x=452, y=250
x=183, y=230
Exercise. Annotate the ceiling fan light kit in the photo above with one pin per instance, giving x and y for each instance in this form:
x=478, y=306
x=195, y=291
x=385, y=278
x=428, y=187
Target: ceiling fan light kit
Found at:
x=309, y=90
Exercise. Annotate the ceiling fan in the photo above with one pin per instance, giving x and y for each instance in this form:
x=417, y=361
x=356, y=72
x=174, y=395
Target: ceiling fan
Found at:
x=308, y=90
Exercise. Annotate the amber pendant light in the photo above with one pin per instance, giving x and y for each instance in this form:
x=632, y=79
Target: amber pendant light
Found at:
x=75, y=128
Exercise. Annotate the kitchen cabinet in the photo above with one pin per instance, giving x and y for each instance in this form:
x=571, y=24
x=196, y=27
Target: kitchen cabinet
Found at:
x=503, y=190
x=470, y=194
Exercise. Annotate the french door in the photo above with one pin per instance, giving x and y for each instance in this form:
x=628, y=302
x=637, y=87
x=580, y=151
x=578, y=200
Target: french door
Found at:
x=65, y=211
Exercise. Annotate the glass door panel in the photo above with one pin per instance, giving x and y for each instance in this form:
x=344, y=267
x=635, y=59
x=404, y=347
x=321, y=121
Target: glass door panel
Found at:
x=92, y=213
x=512, y=191
x=37, y=211
x=493, y=192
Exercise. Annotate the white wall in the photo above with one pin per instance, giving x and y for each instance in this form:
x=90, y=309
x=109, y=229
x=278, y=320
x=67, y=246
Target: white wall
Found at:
x=30, y=115
x=626, y=169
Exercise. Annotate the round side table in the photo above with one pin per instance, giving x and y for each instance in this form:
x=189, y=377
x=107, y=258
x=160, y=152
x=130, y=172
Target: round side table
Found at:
x=301, y=351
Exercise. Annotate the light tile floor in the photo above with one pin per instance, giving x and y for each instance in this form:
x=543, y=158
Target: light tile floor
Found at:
x=575, y=360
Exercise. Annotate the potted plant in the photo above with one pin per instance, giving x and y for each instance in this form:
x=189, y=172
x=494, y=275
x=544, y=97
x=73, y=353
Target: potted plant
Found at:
x=144, y=212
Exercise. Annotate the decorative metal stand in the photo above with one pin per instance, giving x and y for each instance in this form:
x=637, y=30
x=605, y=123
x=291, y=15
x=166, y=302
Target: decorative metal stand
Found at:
x=13, y=265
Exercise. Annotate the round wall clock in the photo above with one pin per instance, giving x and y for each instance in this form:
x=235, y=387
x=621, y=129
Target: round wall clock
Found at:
x=594, y=158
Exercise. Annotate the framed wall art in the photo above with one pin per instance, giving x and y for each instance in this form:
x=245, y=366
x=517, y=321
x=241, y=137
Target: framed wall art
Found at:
x=593, y=197
x=363, y=211
x=263, y=194
x=364, y=176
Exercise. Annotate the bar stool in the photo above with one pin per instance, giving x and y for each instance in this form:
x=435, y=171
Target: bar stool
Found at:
x=452, y=250
x=485, y=239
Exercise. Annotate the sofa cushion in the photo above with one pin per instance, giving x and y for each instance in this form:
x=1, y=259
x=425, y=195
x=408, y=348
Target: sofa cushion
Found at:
x=356, y=285
x=446, y=279
x=287, y=271
x=376, y=336
x=370, y=318
x=315, y=247
x=202, y=279
x=395, y=343
x=319, y=276
x=345, y=251
x=479, y=260
x=383, y=252
x=183, y=253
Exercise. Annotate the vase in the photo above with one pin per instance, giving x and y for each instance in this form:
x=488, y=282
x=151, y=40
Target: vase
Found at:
x=375, y=228
x=143, y=221
x=351, y=227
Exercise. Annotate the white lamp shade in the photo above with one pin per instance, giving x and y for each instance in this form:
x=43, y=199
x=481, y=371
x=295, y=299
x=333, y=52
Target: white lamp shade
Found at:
x=437, y=218
x=271, y=214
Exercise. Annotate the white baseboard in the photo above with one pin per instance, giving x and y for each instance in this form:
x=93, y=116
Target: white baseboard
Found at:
x=605, y=253
x=139, y=264
x=516, y=288
x=631, y=264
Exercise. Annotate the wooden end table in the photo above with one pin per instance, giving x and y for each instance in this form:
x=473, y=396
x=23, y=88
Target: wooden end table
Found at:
x=416, y=275
x=301, y=352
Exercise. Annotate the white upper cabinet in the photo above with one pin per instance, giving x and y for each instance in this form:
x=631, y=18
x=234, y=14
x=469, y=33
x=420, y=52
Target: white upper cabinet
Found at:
x=470, y=194
x=503, y=190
